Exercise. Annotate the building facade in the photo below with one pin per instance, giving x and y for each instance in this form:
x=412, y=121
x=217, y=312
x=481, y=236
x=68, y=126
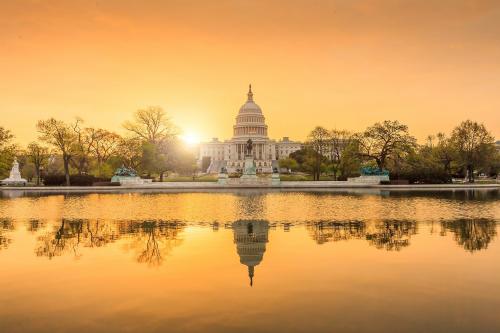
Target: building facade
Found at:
x=250, y=124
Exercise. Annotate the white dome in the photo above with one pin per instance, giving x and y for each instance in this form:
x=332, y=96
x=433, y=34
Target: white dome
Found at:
x=250, y=122
x=250, y=106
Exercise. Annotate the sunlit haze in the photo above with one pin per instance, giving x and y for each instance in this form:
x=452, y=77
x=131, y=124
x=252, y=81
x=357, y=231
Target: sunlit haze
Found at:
x=190, y=138
x=339, y=64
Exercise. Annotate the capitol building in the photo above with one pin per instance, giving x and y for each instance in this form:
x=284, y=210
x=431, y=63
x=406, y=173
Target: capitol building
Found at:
x=230, y=154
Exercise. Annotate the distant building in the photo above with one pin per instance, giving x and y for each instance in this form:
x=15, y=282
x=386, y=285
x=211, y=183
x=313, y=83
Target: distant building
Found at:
x=250, y=124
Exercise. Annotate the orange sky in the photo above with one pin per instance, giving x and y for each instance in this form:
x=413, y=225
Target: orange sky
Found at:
x=343, y=64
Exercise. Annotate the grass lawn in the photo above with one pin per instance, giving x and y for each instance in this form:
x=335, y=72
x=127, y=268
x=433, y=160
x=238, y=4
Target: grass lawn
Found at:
x=204, y=178
x=296, y=178
x=213, y=178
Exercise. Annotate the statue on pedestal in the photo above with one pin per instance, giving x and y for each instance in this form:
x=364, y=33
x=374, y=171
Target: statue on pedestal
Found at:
x=15, y=176
x=249, y=147
x=223, y=176
x=275, y=178
x=124, y=171
x=128, y=176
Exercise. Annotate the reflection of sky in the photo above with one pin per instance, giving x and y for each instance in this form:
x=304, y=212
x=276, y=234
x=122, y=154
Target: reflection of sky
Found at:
x=199, y=278
x=172, y=272
x=200, y=281
x=274, y=207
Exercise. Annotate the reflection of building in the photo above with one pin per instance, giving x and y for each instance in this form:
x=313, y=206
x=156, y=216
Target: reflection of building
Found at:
x=250, y=124
x=251, y=238
x=5, y=225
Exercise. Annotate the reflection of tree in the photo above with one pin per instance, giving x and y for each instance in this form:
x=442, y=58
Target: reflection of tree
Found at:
x=153, y=240
x=323, y=232
x=99, y=233
x=472, y=234
x=392, y=235
x=70, y=235
x=389, y=235
x=5, y=227
x=63, y=238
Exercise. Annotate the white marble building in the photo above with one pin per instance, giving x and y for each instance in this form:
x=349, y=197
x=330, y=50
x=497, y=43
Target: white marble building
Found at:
x=250, y=124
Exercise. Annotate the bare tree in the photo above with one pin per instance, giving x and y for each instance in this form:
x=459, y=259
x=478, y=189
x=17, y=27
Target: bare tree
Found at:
x=384, y=141
x=62, y=137
x=318, y=140
x=151, y=125
x=38, y=156
x=104, y=144
x=5, y=137
x=430, y=140
x=339, y=140
x=444, y=152
x=156, y=132
x=474, y=144
x=7, y=151
x=129, y=150
x=83, y=146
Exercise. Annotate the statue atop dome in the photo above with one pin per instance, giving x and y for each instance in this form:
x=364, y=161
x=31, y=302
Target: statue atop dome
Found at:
x=250, y=93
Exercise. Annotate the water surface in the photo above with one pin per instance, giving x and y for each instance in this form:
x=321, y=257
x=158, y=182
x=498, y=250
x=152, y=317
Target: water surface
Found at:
x=250, y=262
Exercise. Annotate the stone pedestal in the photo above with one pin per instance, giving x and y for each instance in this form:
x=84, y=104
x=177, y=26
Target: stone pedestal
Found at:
x=222, y=179
x=275, y=179
x=249, y=171
x=372, y=179
x=130, y=180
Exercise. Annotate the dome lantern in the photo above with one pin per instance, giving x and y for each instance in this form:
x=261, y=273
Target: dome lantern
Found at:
x=250, y=106
x=250, y=93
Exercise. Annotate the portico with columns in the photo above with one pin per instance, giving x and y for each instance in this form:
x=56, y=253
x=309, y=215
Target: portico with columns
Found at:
x=250, y=124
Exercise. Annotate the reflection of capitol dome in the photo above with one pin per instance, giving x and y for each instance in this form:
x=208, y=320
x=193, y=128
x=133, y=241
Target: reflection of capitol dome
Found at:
x=251, y=238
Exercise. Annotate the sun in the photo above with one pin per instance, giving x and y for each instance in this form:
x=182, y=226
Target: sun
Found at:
x=190, y=139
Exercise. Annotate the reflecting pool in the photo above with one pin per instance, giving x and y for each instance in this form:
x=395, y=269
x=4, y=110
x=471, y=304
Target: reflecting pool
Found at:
x=250, y=261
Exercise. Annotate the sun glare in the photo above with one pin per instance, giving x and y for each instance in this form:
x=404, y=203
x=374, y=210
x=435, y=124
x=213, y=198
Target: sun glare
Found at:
x=190, y=139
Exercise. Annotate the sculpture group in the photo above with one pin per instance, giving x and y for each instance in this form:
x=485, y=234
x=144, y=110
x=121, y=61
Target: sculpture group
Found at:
x=128, y=176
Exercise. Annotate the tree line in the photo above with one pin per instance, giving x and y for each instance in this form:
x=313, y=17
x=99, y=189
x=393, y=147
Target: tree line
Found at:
x=151, y=146
x=469, y=150
x=394, y=235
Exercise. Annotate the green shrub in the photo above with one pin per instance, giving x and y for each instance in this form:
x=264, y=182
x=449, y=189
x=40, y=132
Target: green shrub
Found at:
x=424, y=176
x=75, y=180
